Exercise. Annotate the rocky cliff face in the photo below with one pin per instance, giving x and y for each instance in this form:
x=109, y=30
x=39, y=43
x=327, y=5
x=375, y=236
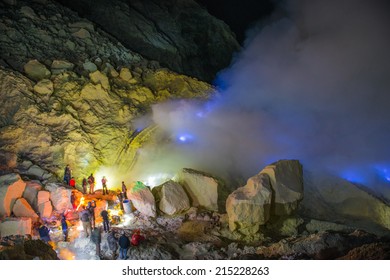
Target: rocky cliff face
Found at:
x=70, y=92
x=181, y=35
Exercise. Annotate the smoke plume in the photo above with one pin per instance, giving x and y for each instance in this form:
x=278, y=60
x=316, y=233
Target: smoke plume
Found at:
x=313, y=85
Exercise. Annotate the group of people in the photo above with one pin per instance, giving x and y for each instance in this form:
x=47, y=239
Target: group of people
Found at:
x=86, y=182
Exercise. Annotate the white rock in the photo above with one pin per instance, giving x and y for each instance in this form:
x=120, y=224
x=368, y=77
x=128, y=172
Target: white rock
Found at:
x=60, y=197
x=173, y=199
x=201, y=188
x=249, y=207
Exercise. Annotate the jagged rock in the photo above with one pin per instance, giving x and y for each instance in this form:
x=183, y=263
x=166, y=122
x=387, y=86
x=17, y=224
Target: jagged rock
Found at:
x=23, y=209
x=249, y=207
x=60, y=66
x=89, y=66
x=36, y=70
x=37, y=172
x=44, y=87
x=334, y=199
x=82, y=34
x=15, y=226
x=169, y=31
x=142, y=199
x=172, y=198
x=43, y=196
x=11, y=188
x=98, y=77
x=28, y=12
x=31, y=193
x=202, y=188
x=286, y=177
x=60, y=197
x=45, y=209
x=83, y=24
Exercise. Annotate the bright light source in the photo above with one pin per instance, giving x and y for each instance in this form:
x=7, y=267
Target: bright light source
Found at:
x=157, y=179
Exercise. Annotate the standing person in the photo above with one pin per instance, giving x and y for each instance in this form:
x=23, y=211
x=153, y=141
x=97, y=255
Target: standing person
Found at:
x=44, y=233
x=72, y=183
x=73, y=200
x=91, y=208
x=106, y=222
x=64, y=226
x=124, y=245
x=120, y=197
x=85, y=217
x=104, y=184
x=67, y=174
x=112, y=241
x=91, y=182
x=96, y=238
x=124, y=190
x=84, y=185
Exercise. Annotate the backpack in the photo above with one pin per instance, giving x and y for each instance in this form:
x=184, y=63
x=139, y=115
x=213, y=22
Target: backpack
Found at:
x=84, y=217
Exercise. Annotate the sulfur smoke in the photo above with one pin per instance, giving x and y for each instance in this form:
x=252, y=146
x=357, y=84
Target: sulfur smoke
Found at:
x=313, y=85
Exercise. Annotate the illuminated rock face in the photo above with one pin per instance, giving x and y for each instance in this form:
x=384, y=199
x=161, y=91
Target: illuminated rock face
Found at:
x=249, y=207
x=172, y=198
x=275, y=191
x=77, y=96
x=202, y=188
x=59, y=196
x=31, y=193
x=11, y=188
x=142, y=199
x=23, y=209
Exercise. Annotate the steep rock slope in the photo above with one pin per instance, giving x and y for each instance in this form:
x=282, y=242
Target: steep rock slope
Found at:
x=70, y=93
x=181, y=35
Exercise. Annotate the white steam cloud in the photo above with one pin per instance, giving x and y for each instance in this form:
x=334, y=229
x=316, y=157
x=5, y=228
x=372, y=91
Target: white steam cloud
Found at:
x=313, y=85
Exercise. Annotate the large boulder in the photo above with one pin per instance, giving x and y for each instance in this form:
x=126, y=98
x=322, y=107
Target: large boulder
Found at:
x=142, y=199
x=45, y=209
x=36, y=70
x=286, y=177
x=202, y=188
x=11, y=188
x=59, y=196
x=31, y=193
x=334, y=199
x=249, y=207
x=172, y=198
x=15, y=226
x=23, y=209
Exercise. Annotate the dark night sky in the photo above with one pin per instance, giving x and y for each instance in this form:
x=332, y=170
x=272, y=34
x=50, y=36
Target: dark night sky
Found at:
x=239, y=15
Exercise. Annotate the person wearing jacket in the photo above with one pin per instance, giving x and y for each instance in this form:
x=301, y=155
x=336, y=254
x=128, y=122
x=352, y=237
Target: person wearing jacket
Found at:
x=124, y=245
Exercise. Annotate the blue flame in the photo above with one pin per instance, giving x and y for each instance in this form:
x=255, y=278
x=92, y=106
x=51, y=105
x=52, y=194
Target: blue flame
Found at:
x=185, y=138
